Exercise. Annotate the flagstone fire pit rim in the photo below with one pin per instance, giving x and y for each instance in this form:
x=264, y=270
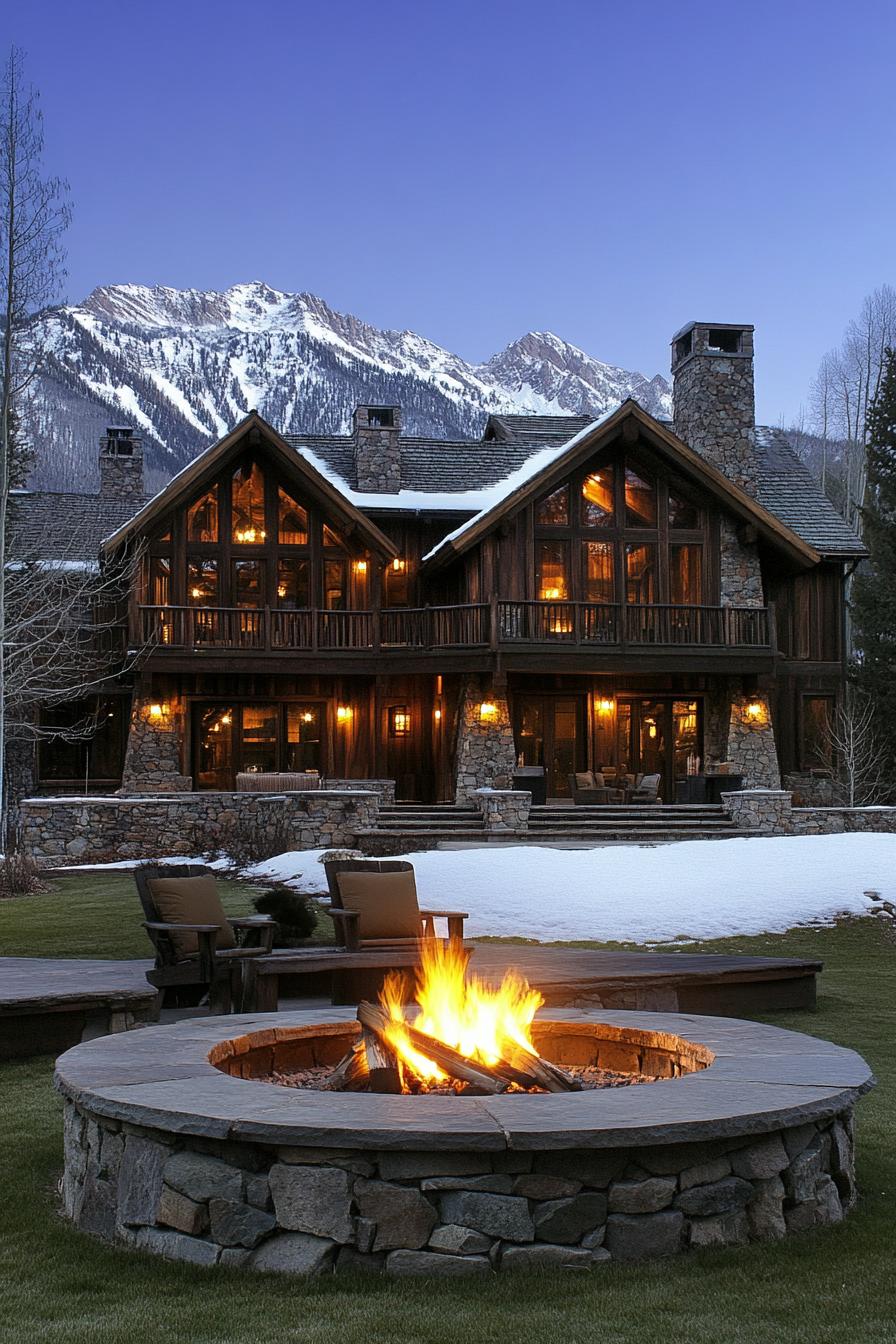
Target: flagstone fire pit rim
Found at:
x=762, y=1078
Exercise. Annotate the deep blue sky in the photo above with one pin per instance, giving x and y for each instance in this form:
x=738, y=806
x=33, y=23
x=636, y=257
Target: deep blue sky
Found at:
x=473, y=169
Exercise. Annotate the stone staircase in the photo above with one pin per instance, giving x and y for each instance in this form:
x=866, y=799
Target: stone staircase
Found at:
x=408, y=826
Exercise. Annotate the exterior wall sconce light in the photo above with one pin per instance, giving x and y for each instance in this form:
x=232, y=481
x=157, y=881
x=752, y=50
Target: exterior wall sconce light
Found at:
x=227, y=720
x=155, y=711
x=437, y=714
x=343, y=714
x=605, y=706
x=399, y=565
x=487, y=711
x=307, y=717
x=159, y=711
x=754, y=710
x=360, y=566
x=399, y=721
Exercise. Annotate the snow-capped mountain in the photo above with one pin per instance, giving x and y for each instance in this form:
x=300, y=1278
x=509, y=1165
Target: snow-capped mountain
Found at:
x=184, y=365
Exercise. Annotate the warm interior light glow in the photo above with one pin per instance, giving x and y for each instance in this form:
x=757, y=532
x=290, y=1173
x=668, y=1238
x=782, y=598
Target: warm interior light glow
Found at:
x=360, y=566
x=754, y=710
x=465, y=1013
x=195, y=592
x=281, y=589
x=226, y=719
x=488, y=710
x=307, y=717
x=550, y=594
x=437, y=713
x=155, y=711
x=250, y=534
x=398, y=566
x=605, y=706
x=343, y=713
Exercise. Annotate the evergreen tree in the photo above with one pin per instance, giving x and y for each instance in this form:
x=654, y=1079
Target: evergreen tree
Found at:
x=874, y=590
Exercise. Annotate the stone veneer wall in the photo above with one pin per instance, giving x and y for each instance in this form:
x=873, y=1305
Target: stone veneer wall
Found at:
x=740, y=575
x=836, y=820
x=811, y=790
x=771, y=812
x=715, y=410
x=486, y=755
x=377, y=452
x=152, y=761
x=97, y=830
x=313, y=1210
x=766, y=810
x=384, y=788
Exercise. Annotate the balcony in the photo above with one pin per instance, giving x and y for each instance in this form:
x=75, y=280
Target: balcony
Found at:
x=497, y=626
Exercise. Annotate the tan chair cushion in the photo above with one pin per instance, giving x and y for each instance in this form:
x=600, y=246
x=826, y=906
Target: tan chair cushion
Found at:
x=190, y=900
x=387, y=903
x=585, y=779
x=599, y=781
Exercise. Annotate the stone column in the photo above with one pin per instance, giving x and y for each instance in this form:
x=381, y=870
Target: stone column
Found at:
x=751, y=741
x=766, y=810
x=504, y=809
x=153, y=754
x=486, y=755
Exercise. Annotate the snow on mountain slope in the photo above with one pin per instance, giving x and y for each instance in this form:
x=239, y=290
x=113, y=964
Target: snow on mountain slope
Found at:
x=183, y=365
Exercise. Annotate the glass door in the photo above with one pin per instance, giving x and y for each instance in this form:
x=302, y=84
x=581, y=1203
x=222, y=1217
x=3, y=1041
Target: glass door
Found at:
x=549, y=731
x=657, y=736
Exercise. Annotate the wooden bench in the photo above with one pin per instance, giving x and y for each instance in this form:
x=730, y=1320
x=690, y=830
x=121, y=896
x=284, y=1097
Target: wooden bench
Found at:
x=350, y=970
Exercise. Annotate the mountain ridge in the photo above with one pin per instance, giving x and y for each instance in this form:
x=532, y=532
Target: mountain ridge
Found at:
x=183, y=365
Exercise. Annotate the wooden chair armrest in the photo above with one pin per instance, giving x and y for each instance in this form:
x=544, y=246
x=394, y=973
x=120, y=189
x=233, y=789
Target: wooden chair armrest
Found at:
x=181, y=928
x=446, y=914
x=254, y=931
x=348, y=915
x=248, y=921
x=351, y=922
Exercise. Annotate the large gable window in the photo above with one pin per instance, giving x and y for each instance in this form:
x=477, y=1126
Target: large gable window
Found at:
x=631, y=536
x=247, y=525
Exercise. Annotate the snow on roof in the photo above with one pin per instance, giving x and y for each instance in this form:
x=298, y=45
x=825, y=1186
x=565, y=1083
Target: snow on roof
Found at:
x=497, y=494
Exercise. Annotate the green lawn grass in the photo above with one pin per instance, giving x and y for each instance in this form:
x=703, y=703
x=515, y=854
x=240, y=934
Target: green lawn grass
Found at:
x=58, y=1286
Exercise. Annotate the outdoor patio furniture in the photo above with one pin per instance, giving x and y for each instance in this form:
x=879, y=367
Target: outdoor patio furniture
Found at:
x=589, y=789
x=198, y=947
x=353, y=975
x=374, y=906
x=647, y=791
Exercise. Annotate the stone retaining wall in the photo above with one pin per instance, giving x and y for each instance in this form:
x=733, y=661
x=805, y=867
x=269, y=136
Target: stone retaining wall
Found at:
x=835, y=820
x=771, y=812
x=315, y=1210
x=99, y=830
x=765, y=810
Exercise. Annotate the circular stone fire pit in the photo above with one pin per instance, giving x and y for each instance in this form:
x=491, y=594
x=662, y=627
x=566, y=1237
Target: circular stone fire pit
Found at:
x=173, y=1144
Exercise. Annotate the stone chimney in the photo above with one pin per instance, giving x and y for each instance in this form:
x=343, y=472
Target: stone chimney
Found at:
x=375, y=432
x=121, y=464
x=712, y=390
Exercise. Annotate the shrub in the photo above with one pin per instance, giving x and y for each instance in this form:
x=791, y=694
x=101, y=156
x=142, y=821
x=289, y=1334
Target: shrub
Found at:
x=19, y=875
x=295, y=916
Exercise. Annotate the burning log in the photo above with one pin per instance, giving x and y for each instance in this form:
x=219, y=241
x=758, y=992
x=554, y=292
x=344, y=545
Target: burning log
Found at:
x=370, y=1066
x=542, y=1073
x=457, y=1066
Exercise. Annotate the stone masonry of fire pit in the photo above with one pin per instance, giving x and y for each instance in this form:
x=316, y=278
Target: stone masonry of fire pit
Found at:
x=748, y=1135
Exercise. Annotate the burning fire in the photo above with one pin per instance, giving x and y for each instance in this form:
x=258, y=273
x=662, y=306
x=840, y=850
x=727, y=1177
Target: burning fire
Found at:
x=483, y=1024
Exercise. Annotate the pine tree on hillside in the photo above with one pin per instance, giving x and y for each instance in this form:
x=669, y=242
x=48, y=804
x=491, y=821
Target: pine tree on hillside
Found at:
x=874, y=591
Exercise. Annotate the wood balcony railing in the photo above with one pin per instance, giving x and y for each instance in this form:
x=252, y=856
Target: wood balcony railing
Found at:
x=494, y=625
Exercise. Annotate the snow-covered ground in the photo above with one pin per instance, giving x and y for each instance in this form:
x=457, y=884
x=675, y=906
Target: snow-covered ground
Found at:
x=631, y=893
x=635, y=893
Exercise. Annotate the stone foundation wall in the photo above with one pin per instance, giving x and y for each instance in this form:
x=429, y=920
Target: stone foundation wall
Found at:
x=504, y=809
x=451, y=1214
x=152, y=760
x=486, y=755
x=99, y=830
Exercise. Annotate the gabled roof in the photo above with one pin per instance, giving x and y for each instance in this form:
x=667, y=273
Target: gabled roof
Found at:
x=47, y=525
x=525, y=486
x=255, y=429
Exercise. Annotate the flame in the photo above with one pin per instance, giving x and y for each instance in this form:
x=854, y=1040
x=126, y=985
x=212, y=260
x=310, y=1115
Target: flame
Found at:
x=461, y=1011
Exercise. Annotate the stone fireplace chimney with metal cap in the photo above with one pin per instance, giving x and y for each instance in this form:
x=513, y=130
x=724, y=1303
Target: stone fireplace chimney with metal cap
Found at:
x=375, y=433
x=121, y=464
x=713, y=403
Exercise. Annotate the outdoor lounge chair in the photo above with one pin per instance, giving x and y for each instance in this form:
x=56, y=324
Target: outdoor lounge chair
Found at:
x=588, y=789
x=374, y=906
x=198, y=947
x=647, y=791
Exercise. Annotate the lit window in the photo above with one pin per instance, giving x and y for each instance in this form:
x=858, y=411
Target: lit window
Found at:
x=248, y=583
x=247, y=497
x=553, y=571
x=686, y=575
x=598, y=562
x=202, y=518
x=293, y=586
x=597, y=498
x=553, y=510
x=399, y=721
x=292, y=525
x=640, y=500
x=202, y=582
x=640, y=575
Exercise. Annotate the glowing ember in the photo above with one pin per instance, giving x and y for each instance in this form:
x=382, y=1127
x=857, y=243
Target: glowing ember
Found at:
x=483, y=1024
